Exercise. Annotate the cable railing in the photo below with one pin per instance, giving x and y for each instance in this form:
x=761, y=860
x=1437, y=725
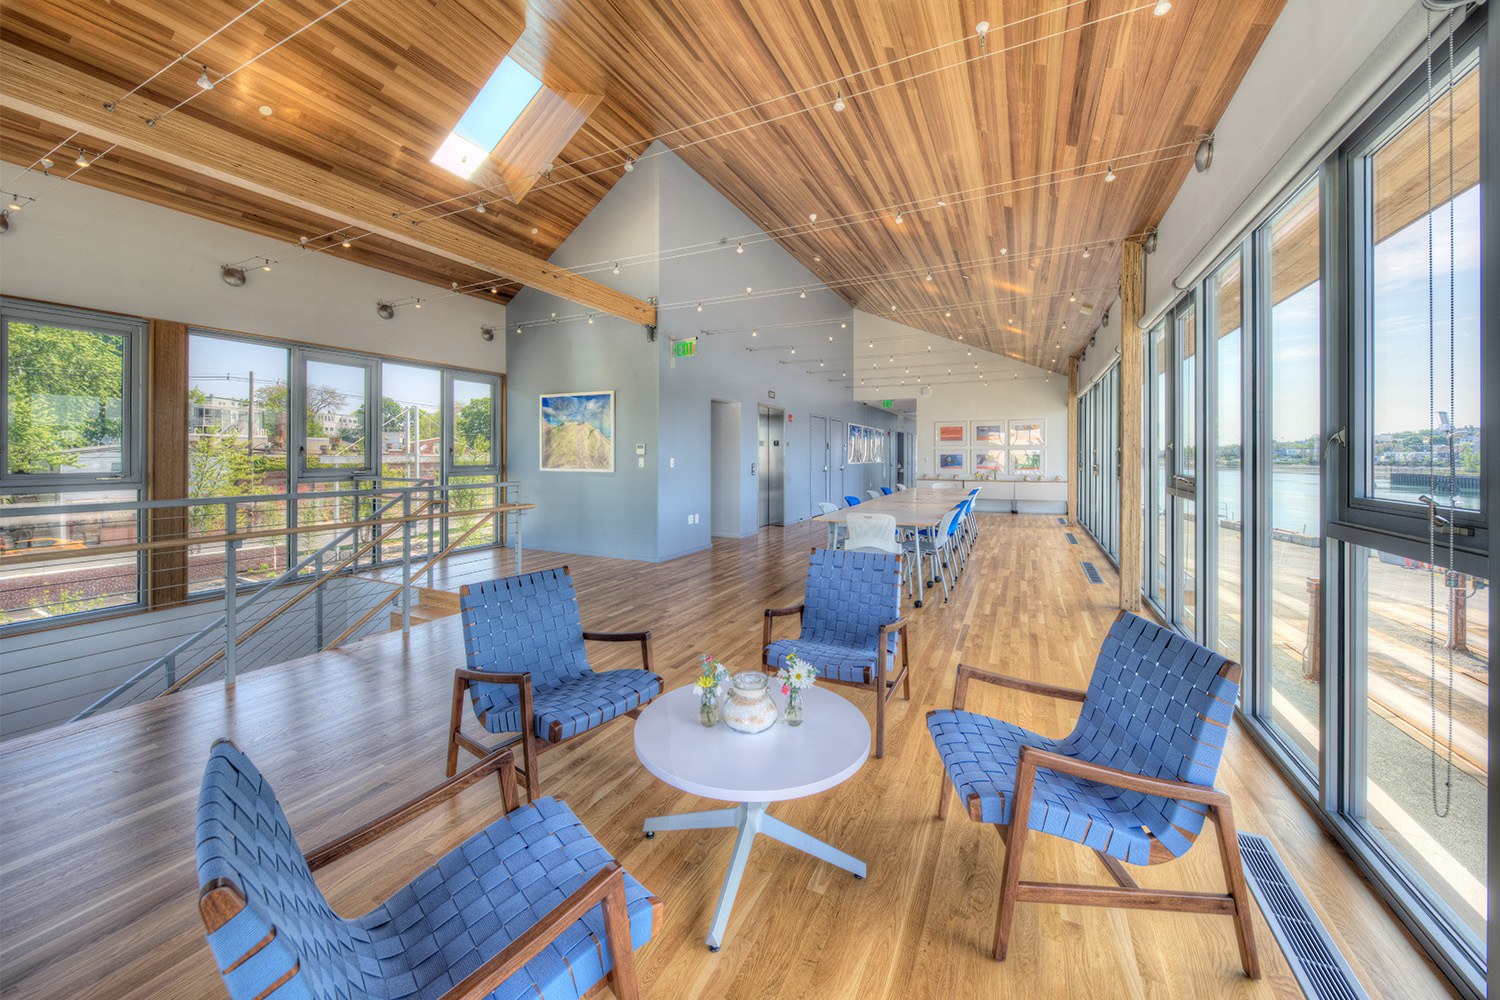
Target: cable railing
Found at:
x=144, y=588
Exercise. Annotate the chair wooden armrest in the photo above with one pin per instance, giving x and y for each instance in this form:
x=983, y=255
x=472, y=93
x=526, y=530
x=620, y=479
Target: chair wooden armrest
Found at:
x=608, y=886
x=966, y=673
x=896, y=626
x=1031, y=759
x=779, y=612
x=372, y=831
x=771, y=615
x=644, y=638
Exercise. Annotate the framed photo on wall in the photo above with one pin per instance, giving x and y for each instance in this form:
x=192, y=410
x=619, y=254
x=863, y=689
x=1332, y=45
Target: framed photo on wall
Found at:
x=949, y=435
x=866, y=445
x=989, y=432
x=1026, y=461
x=952, y=461
x=990, y=461
x=1027, y=433
x=577, y=431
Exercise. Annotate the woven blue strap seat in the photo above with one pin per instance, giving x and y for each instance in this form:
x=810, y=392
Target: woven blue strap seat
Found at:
x=850, y=609
x=574, y=704
x=528, y=629
x=426, y=938
x=1155, y=716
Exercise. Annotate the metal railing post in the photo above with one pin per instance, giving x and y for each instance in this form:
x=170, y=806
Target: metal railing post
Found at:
x=406, y=566
x=318, y=598
x=171, y=670
x=231, y=595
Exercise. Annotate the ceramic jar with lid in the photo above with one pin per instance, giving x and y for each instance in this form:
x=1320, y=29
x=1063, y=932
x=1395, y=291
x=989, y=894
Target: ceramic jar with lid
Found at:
x=749, y=708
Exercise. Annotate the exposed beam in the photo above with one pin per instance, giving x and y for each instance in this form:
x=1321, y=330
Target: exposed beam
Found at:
x=1132, y=297
x=59, y=93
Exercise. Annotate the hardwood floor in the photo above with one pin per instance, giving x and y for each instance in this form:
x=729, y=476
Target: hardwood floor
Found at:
x=96, y=830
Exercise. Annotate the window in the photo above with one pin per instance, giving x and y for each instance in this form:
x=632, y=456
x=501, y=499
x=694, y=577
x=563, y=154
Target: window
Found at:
x=1226, y=524
x=494, y=110
x=72, y=452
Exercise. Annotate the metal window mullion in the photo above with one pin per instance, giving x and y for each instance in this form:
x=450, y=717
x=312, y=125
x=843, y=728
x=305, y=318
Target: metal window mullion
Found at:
x=1258, y=382
x=1335, y=749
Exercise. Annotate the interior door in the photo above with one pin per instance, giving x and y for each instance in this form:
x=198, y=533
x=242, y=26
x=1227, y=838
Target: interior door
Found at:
x=817, y=461
x=838, y=452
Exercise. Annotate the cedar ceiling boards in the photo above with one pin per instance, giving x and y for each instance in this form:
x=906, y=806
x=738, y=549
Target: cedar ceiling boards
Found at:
x=363, y=98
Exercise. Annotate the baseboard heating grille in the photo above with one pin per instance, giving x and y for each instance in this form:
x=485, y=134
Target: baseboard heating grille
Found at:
x=1315, y=960
x=1072, y=538
x=1062, y=520
x=1092, y=572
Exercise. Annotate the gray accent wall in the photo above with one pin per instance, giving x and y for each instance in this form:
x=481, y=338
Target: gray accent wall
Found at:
x=664, y=510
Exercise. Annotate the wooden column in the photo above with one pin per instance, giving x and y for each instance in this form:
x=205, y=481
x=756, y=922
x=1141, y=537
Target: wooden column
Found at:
x=1132, y=378
x=167, y=460
x=1073, y=464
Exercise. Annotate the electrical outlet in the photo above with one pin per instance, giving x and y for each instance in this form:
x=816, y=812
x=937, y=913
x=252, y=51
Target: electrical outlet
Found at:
x=640, y=463
x=690, y=519
x=671, y=463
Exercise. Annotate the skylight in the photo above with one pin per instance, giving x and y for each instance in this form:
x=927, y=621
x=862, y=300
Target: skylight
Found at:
x=494, y=110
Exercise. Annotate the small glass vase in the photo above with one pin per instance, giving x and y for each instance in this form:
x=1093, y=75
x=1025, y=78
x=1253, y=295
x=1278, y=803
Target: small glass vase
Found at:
x=793, y=713
x=708, y=708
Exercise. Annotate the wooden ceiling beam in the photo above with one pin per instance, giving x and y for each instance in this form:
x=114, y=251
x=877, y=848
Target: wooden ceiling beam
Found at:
x=67, y=97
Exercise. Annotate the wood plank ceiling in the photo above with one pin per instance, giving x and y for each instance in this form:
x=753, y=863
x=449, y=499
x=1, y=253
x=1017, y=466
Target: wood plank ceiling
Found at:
x=1015, y=136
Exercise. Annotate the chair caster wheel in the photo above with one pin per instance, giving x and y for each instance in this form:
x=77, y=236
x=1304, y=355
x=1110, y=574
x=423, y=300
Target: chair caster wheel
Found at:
x=713, y=947
x=650, y=834
x=860, y=877
x=918, y=604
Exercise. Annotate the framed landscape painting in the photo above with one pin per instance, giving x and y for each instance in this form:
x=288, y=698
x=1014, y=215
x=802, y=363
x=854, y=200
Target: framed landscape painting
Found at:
x=577, y=432
x=991, y=460
x=952, y=461
x=1025, y=461
x=951, y=434
x=989, y=432
x=1027, y=433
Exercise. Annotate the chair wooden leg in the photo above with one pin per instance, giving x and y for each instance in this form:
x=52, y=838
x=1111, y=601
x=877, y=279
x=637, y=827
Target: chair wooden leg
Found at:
x=1020, y=812
x=880, y=704
x=1234, y=875
x=943, y=785
x=905, y=666
x=455, y=720
x=528, y=747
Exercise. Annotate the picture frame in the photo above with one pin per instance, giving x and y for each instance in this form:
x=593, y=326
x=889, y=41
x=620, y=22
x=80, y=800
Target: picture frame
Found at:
x=951, y=435
x=576, y=431
x=994, y=433
x=866, y=445
x=1026, y=462
x=953, y=461
x=991, y=461
x=1028, y=433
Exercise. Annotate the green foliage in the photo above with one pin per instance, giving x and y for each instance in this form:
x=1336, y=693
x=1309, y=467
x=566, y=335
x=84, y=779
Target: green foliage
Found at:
x=472, y=429
x=65, y=389
x=67, y=602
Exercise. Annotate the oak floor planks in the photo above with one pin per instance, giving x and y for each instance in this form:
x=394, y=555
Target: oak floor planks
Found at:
x=96, y=856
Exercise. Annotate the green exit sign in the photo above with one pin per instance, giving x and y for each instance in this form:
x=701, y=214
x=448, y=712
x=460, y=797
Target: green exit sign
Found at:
x=684, y=348
x=887, y=403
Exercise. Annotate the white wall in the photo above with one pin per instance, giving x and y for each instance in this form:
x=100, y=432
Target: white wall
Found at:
x=80, y=246
x=1016, y=390
x=1311, y=52
x=1103, y=352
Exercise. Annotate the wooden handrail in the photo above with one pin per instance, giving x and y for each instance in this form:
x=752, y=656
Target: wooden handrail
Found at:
x=420, y=573
x=57, y=555
x=396, y=522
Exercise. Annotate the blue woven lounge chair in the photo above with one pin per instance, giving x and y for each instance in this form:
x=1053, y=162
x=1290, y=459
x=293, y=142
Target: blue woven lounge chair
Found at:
x=1133, y=781
x=528, y=673
x=531, y=906
x=851, y=626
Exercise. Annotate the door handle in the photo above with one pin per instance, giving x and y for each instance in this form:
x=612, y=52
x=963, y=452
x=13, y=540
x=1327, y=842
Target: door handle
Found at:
x=752, y=468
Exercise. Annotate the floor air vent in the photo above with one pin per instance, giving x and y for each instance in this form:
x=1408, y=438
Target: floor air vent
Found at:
x=1062, y=520
x=1092, y=572
x=1072, y=538
x=1315, y=961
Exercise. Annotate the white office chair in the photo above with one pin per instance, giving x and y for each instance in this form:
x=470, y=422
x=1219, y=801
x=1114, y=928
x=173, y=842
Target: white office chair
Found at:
x=877, y=533
x=836, y=531
x=944, y=486
x=900, y=487
x=874, y=494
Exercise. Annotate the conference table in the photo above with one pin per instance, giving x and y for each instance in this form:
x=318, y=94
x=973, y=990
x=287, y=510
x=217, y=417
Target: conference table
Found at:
x=919, y=507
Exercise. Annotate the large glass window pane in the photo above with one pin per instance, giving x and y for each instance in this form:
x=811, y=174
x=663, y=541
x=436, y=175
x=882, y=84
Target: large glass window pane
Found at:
x=1424, y=640
x=335, y=428
x=1409, y=443
x=1291, y=538
x=49, y=588
x=411, y=425
x=473, y=423
x=64, y=411
x=1185, y=527
x=1226, y=540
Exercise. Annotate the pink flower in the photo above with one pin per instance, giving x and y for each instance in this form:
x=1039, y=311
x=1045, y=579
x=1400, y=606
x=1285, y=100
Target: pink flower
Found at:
x=786, y=689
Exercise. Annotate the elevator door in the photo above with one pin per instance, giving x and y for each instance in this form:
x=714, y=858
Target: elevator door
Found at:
x=771, y=473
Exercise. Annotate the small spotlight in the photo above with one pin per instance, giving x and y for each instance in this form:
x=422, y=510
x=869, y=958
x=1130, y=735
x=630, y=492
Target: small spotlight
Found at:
x=739, y=247
x=1111, y=175
x=267, y=110
x=488, y=333
x=480, y=208
x=347, y=244
x=700, y=307
x=929, y=275
x=1203, y=156
x=417, y=304
x=233, y=276
x=1151, y=242
x=803, y=295
x=899, y=220
x=83, y=159
x=204, y=83
x=629, y=164
x=591, y=319
x=46, y=164
x=1162, y=8
x=838, y=101
x=617, y=267
x=754, y=332
x=385, y=310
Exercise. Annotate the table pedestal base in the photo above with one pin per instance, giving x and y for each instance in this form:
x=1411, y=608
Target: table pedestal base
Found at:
x=748, y=818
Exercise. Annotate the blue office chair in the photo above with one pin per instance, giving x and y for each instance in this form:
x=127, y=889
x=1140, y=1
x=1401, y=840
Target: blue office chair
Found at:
x=885, y=491
x=528, y=672
x=1133, y=781
x=851, y=626
x=851, y=501
x=532, y=906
